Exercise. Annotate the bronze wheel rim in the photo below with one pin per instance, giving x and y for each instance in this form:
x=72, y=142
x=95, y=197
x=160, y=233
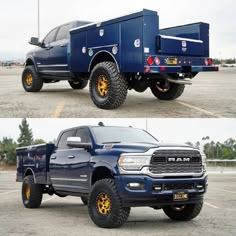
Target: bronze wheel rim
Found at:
x=162, y=90
x=27, y=192
x=178, y=207
x=102, y=86
x=29, y=79
x=104, y=204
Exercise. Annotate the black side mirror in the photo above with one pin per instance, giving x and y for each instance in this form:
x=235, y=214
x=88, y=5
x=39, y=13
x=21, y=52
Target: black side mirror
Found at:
x=34, y=41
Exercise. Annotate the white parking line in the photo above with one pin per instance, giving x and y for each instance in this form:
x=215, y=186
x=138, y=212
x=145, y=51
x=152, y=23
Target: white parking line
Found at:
x=210, y=205
x=46, y=200
x=200, y=109
x=227, y=191
x=13, y=191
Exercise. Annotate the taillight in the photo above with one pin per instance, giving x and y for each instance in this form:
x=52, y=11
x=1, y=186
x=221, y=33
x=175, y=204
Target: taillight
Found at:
x=208, y=62
x=162, y=68
x=147, y=69
x=150, y=61
x=157, y=61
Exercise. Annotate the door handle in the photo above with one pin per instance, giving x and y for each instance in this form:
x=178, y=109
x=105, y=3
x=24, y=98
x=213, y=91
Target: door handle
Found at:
x=49, y=48
x=63, y=45
x=53, y=158
x=71, y=157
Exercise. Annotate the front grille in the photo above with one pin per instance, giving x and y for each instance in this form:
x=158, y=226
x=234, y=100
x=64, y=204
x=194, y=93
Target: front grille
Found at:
x=178, y=186
x=176, y=161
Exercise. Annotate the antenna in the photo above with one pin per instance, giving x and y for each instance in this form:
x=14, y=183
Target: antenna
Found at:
x=101, y=124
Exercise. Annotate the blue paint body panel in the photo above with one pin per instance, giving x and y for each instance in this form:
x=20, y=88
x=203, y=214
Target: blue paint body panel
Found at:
x=197, y=31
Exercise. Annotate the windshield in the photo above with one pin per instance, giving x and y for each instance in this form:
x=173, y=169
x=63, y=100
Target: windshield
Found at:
x=122, y=135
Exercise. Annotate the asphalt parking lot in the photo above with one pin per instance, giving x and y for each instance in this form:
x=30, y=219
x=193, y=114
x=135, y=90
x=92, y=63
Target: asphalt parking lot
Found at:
x=68, y=216
x=212, y=95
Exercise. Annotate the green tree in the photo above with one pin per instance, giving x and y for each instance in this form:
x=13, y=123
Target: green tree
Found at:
x=38, y=141
x=26, y=134
x=8, y=151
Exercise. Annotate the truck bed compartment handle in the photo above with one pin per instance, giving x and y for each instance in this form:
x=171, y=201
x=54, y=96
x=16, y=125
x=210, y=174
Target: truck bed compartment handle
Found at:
x=71, y=157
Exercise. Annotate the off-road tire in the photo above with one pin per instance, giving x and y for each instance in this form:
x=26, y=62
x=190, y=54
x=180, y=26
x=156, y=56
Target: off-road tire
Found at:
x=117, y=215
x=117, y=86
x=36, y=193
x=37, y=82
x=174, y=91
x=189, y=212
x=80, y=84
x=84, y=200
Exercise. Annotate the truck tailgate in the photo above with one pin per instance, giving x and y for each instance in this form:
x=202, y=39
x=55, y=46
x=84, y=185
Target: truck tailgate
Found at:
x=170, y=45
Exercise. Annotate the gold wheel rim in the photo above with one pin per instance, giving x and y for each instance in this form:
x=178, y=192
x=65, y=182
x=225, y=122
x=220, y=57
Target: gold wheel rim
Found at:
x=27, y=192
x=104, y=204
x=102, y=86
x=162, y=89
x=29, y=79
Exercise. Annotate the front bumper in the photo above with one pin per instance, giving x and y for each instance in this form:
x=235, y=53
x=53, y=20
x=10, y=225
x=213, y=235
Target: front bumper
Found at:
x=148, y=196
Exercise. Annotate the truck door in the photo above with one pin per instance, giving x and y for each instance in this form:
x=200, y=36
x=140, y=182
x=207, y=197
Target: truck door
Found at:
x=42, y=53
x=58, y=162
x=77, y=170
x=57, y=54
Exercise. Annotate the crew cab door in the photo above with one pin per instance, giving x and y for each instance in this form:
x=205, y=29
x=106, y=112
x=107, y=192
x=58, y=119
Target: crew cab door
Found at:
x=42, y=53
x=77, y=169
x=57, y=53
x=70, y=166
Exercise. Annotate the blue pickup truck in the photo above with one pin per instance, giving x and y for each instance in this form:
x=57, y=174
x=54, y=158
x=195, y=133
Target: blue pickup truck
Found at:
x=113, y=169
x=128, y=52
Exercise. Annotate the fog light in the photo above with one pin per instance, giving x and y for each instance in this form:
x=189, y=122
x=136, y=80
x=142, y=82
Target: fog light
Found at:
x=135, y=186
x=199, y=186
x=157, y=188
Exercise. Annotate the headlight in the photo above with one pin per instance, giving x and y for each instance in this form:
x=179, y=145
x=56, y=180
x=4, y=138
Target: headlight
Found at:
x=204, y=163
x=133, y=162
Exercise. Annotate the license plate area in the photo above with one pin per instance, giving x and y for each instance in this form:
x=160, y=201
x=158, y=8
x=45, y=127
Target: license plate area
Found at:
x=171, y=61
x=180, y=196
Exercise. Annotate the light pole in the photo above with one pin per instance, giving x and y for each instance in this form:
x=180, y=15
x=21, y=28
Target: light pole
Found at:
x=38, y=21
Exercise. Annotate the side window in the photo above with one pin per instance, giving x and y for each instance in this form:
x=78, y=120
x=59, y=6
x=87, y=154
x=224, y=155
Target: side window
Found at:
x=62, y=143
x=63, y=32
x=84, y=135
x=50, y=37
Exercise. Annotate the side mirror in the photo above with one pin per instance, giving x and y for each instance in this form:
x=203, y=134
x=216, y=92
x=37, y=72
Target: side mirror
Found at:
x=76, y=143
x=34, y=41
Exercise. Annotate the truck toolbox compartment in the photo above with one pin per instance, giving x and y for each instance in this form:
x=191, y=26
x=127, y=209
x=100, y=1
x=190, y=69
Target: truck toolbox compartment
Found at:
x=171, y=45
x=197, y=31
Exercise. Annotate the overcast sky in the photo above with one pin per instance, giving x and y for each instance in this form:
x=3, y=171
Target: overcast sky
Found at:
x=18, y=19
x=168, y=130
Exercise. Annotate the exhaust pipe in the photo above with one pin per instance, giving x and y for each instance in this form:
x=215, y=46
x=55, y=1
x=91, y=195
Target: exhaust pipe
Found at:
x=180, y=81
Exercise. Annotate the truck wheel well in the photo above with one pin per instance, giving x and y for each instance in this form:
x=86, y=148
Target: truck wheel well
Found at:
x=101, y=57
x=101, y=173
x=28, y=172
x=29, y=62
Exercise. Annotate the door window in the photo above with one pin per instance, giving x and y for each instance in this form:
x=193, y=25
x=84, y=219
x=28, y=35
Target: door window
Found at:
x=63, y=32
x=50, y=37
x=63, y=139
x=84, y=135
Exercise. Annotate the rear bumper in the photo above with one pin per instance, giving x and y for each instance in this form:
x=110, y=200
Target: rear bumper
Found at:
x=179, y=69
x=148, y=196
